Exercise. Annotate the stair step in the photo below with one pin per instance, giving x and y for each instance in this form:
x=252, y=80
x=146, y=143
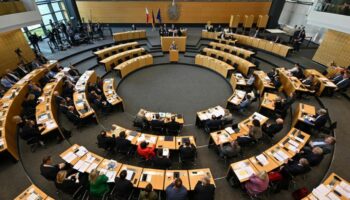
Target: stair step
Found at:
x=156, y=54
x=76, y=59
x=87, y=65
x=100, y=70
x=190, y=54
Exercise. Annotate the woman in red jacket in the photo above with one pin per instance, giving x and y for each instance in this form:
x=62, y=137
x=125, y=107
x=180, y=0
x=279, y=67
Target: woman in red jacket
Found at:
x=146, y=152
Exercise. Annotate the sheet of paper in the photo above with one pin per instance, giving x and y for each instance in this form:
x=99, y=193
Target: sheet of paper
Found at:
x=262, y=159
x=91, y=167
x=229, y=130
x=343, y=192
x=111, y=175
x=129, y=174
x=81, y=151
x=84, y=167
x=69, y=157
x=78, y=164
x=89, y=158
x=333, y=196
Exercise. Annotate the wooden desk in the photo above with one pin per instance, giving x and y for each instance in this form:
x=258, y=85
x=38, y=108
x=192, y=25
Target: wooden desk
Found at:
x=173, y=55
x=135, y=171
x=106, y=52
x=33, y=192
x=132, y=136
x=129, y=35
x=91, y=162
x=216, y=65
x=154, y=176
x=326, y=85
x=242, y=170
x=180, y=42
x=180, y=139
x=169, y=144
x=301, y=113
x=105, y=167
x=149, y=138
x=243, y=65
x=294, y=141
x=46, y=110
x=290, y=83
x=210, y=35
x=114, y=60
x=207, y=114
x=165, y=117
x=70, y=155
x=258, y=162
x=329, y=189
x=134, y=64
x=262, y=82
x=109, y=90
x=80, y=96
x=236, y=98
x=196, y=175
x=220, y=137
x=268, y=101
x=11, y=106
x=170, y=177
x=248, y=122
x=231, y=49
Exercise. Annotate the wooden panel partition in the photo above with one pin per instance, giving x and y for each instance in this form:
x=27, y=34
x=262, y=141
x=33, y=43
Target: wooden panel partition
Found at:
x=190, y=12
x=12, y=7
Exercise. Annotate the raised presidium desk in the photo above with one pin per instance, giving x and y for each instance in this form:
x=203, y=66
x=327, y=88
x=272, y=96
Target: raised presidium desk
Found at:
x=106, y=52
x=229, y=134
x=262, y=82
x=291, y=84
x=109, y=90
x=129, y=35
x=85, y=161
x=219, y=66
x=334, y=188
x=270, y=159
x=165, y=117
x=326, y=86
x=179, y=41
x=161, y=142
x=80, y=97
x=133, y=64
x=46, y=110
x=303, y=117
x=173, y=55
x=33, y=193
x=10, y=105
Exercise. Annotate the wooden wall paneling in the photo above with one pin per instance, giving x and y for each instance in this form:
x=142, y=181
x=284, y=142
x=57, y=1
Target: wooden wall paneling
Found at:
x=9, y=42
x=7, y=8
x=190, y=12
x=262, y=21
x=248, y=21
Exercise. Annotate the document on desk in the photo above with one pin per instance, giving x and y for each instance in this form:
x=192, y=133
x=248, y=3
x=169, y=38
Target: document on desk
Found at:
x=333, y=196
x=89, y=158
x=50, y=124
x=292, y=142
x=81, y=151
x=129, y=175
x=111, y=175
x=91, y=167
x=244, y=173
x=343, y=191
x=229, y=130
x=69, y=157
x=152, y=140
x=262, y=159
x=33, y=196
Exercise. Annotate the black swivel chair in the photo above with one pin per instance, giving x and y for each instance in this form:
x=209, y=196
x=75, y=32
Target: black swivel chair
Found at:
x=157, y=125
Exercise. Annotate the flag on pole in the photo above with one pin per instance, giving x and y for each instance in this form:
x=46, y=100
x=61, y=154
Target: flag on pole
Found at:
x=153, y=20
x=159, y=17
x=147, y=16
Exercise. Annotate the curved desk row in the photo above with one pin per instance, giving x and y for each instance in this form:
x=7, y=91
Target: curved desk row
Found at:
x=326, y=85
x=46, y=110
x=116, y=59
x=33, y=192
x=106, y=52
x=85, y=161
x=109, y=90
x=160, y=141
x=301, y=116
x=134, y=64
x=270, y=159
x=290, y=83
x=242, y=65
x=80, y=97
x=214, y=64
x=334, y=187
x=11, y=105
x=129, y=35
x=231, y=49
x=262, y=82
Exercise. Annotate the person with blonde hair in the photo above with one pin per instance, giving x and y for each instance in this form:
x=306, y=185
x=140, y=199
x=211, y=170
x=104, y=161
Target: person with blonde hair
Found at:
x=98, y=184
x=66, y=184
x=204, y=190
x=257, y=183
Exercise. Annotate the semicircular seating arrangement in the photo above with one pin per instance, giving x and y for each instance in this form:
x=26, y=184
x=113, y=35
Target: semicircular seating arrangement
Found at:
x=250, y=85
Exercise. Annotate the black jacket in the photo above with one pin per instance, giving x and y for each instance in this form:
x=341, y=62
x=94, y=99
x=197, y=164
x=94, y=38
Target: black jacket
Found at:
x=49, y=172
x=187, y=153
x=122, y=189
x=272, y=129
x=122, y=144
x=204, y=192
x=162, y=163
x=68, y=186
x=320, y=121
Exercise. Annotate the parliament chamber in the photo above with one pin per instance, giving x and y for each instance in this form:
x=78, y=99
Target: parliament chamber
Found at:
x=174, y=100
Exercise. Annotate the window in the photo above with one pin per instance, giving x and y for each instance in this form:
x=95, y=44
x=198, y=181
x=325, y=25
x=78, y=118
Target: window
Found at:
x=59, y=16
x=55, y=6
x=44, y=9
x=46, y=19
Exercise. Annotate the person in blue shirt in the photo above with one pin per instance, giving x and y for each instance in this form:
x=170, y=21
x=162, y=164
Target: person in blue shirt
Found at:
x=176, y=191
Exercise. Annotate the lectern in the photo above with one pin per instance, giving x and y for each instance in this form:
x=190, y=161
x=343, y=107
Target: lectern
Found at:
x=173, y=55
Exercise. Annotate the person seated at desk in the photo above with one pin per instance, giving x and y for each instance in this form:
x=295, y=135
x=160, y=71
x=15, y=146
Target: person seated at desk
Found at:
x=314, y=156
x=72, y=115
x=59, y=99
x=230, y=149
x=12, y=75
x=133, y=27
x=173, y=46
x=28, y=131
x=320, y=119
x=34, y=89
x=344, y=83
x=22, y=70
x=68, y=89
x=297, y=71
x=94, y=87
x=280, y=107
x=187, y=151
x=214, y=123
x=255, y=133
x=105, y=142
x=157, y=122
x=161, y=161
x=148, y=193
x=67, y=184
x=308, y=81
x=245, y=103
x=272, y=129
x=49, y=170
x=97, y=100
x=204, y=190
x=122, y=144
x=338, y=77
x=122, y=187
x=98, y=184
x=146, y=152
x=257, y=184
x=6, y=82
x=173, y=125
x=29, y=106
x=294, y=168
x=326, y=144
x=176, y=191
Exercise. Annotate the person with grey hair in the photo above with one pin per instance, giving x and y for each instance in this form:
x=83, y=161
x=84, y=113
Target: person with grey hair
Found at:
x=321, y=118
x=204, y=190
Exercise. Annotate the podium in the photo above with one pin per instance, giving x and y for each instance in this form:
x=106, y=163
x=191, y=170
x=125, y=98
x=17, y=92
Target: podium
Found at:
x=173, y=55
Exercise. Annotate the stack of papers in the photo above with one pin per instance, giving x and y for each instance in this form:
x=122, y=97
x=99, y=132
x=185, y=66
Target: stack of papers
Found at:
x=33, y=196
x=229, y=130
x=262, y=159
x=243, y=171
x=344, y=189
x=92, y=167
x=81, y=166
x=50, y=124
x=280, y=155
x=69, y=157
x=81, y=151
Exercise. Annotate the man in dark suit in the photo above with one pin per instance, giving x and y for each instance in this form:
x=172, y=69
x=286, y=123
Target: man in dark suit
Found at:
x=173, y=125
x=187, y=151
x=320, y=118
x=105, y=142
x=326, y=144
x=160, y=161
x=122, y=144
x=123, y=187
x=72, y=115
x=49, y=170
x=295, y=167
x=344, y=83
x=204, y=190
x=272, y=129
x=314, y=156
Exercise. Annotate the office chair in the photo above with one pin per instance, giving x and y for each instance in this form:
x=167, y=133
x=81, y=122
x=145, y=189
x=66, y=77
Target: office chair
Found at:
x=227, y=50
x=221, y=58
x=106, y=55
x=114, y=52
x=129, y=48
x=157, y=126
x=173, y=129
x=241, y=55
x=228, y=61
x=330, y=129
x=235, y=65
x=127, y=57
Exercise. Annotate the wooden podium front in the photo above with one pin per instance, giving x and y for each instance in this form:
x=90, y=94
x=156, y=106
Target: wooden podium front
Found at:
x=173, y=55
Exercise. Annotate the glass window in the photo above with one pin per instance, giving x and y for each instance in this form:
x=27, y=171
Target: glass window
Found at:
x=34, y=26
x=44, y=9
x=38, y=31
x=59, y=16
x=46, y=19
x=55, y=6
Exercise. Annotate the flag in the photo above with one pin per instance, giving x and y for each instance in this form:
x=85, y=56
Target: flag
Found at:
x=153, y=20
x=159, y=17
x=147, y=16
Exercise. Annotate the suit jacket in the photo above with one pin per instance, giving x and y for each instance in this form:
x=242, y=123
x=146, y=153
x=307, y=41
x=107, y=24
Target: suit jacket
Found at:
x=273, y=129
x=162, y=163
x=204, y=192
x=293, y=168
x=49, y=171
x=343, y=83
x=320, y=120
x=337, y=79
x=68, y=186
x=123, y=188
x=104, y=141
x=122, y=144
x=325, y=147
x=314, y=159
x=187, y=152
